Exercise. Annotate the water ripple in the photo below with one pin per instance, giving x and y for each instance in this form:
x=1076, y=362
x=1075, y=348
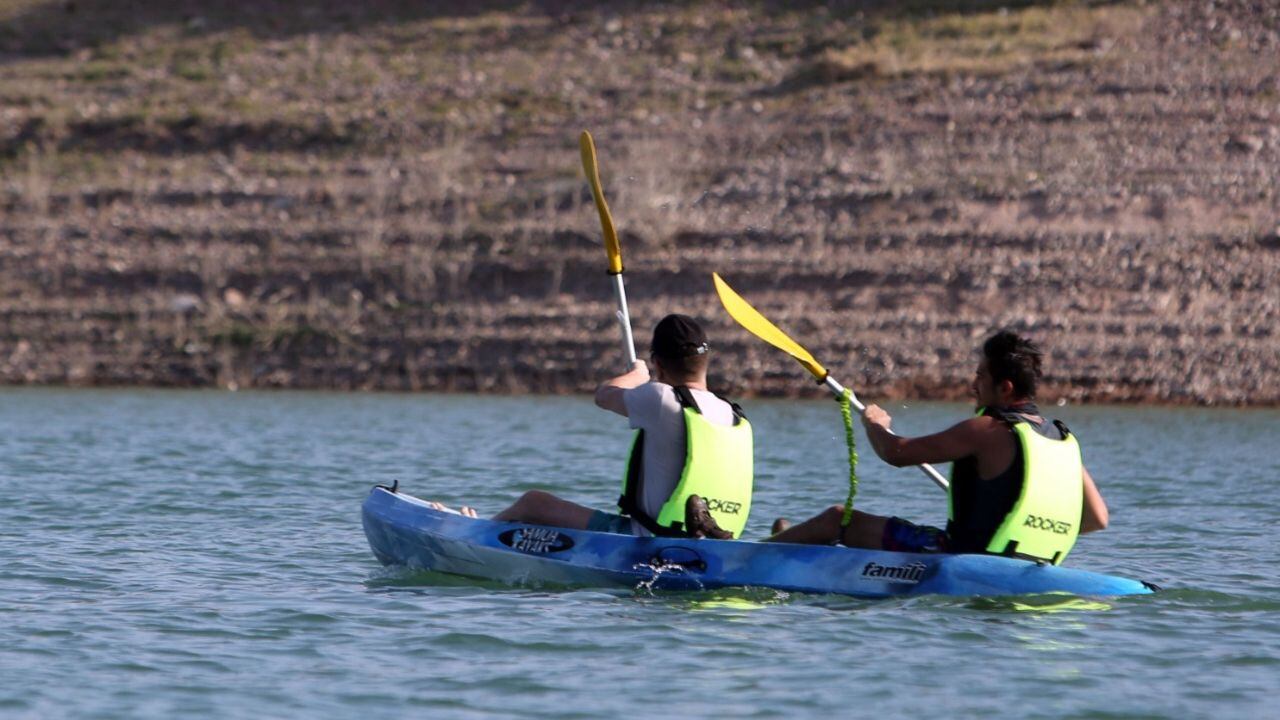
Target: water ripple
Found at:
x=200, y=554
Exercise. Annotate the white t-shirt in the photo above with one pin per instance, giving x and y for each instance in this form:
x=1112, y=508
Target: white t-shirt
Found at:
x=654, y=408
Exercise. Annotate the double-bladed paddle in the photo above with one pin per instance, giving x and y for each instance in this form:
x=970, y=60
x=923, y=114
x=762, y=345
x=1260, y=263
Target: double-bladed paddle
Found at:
x=611, y=245
x=758, y=325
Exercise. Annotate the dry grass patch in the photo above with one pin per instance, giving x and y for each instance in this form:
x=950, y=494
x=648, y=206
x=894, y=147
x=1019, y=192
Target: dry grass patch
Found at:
x=982, y=43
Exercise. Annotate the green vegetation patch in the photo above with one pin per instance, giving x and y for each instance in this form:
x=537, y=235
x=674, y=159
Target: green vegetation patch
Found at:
x=236, y=335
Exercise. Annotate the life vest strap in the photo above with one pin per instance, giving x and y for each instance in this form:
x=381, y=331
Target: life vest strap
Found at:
x=1011, y=550
x=685, y=396
x=629, y=501
x=649, y=523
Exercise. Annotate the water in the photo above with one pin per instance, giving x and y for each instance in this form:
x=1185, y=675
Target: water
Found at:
x=200, y=555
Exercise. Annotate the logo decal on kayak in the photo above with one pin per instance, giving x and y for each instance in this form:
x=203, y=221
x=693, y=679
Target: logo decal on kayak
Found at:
x=539, y=541
x=895, y=573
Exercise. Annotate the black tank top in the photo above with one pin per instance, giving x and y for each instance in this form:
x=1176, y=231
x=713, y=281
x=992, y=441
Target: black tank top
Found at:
x=980, y=506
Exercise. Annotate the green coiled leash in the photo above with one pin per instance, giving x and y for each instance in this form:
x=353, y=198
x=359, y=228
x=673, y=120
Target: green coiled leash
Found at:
x=846, y=411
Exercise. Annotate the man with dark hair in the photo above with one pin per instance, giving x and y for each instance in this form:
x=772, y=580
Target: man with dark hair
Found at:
x=690, y=471
x=1018, y=486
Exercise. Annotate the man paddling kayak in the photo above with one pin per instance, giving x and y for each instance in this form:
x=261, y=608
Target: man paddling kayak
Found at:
x=690, y=470
x=1018, y=485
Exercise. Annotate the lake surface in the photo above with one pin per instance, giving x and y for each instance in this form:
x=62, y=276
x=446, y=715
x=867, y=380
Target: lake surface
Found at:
x=200, y=554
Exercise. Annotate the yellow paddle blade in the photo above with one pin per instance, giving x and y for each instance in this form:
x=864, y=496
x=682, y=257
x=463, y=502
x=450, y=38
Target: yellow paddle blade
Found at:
x=611, y=246
x=755, y=323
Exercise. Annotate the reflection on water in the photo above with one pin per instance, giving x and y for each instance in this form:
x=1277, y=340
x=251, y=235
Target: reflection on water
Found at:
x=1046, y=603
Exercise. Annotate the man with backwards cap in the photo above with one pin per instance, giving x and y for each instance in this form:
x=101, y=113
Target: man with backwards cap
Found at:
x=690, y=470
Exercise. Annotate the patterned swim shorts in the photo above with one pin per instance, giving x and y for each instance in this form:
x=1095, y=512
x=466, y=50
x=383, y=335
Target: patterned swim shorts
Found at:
x=903, y=536
x=607, y=522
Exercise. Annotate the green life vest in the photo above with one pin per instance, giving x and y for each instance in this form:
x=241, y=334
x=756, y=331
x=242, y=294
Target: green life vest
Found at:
x=1045, y=521
x=718, y=466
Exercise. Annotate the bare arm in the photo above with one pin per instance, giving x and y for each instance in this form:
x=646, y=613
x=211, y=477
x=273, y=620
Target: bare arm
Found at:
x=960, y=440
x=1095, y=516
x=609, y=394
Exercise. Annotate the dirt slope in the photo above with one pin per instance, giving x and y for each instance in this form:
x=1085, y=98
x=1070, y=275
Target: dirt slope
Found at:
x=290, y=194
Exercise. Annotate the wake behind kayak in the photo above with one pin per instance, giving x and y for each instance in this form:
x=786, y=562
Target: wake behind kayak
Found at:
x=405, y=531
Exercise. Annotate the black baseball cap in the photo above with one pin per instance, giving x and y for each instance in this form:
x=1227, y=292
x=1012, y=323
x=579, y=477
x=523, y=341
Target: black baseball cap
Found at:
x=678, y=336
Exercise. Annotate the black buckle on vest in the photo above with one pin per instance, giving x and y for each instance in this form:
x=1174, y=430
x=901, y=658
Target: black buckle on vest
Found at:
x=1011, y=550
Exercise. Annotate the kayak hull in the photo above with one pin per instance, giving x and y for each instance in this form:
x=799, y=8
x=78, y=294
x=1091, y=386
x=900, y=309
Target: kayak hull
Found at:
x=403, y=530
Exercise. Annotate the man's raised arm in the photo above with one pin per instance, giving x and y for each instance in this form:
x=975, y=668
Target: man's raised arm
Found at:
x=609, y=394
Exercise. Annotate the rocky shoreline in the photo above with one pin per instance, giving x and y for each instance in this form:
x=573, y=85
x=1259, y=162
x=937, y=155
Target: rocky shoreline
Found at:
x=390, y=198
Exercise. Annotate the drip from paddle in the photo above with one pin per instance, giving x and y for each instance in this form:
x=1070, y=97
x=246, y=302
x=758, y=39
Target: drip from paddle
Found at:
x=758, y=325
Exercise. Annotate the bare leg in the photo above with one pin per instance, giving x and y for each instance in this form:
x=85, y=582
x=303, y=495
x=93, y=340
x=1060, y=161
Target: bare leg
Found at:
x=543, y=508
x=864, y=531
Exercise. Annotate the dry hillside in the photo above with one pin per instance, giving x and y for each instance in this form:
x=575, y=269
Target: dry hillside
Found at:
x=387, y=194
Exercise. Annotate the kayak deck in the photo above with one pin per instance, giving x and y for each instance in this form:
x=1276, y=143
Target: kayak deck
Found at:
x=403, y=530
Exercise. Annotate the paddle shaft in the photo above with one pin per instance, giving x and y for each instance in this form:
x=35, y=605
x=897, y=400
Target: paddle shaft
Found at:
x=624, y=317
x=929, y=471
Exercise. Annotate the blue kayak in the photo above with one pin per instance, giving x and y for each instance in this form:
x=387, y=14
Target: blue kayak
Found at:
x=405, y=531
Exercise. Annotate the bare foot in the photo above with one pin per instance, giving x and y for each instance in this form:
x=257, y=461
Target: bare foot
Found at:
x=779, y=525
x=464, y=512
